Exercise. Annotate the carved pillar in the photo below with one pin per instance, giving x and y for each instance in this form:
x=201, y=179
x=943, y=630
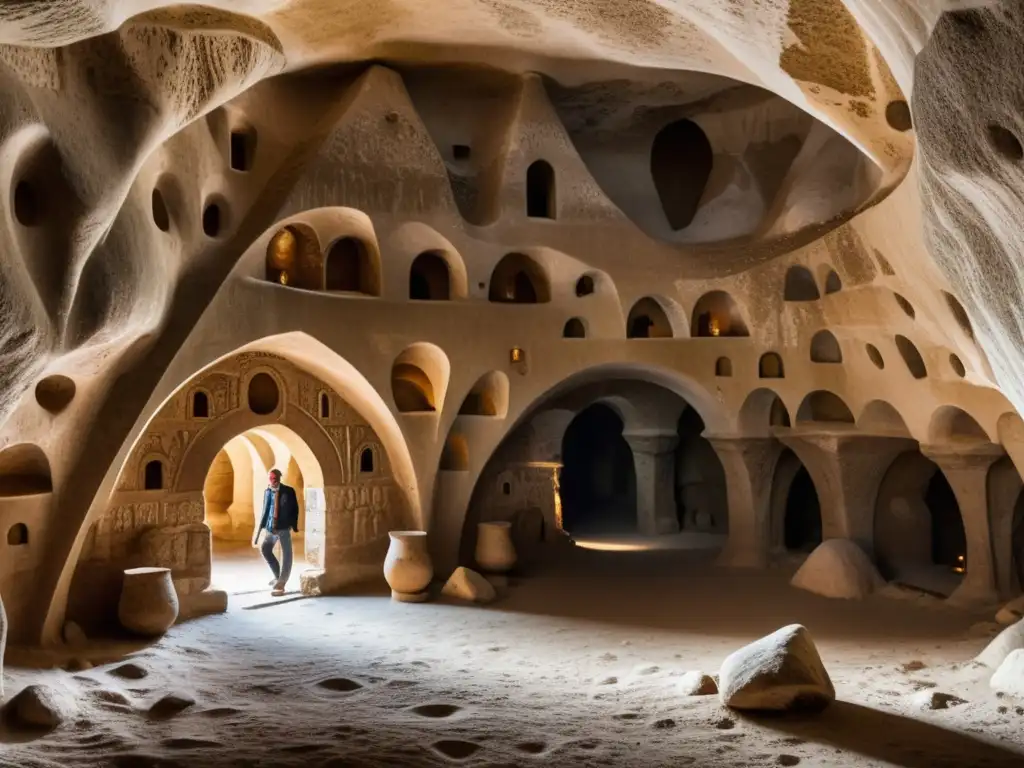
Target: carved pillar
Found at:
x=655, y=465
x=749, y=464
x=966, y=467
x=847, y=470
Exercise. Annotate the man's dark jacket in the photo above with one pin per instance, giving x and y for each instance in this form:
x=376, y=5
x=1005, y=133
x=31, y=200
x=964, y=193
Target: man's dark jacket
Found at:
x=287, y=511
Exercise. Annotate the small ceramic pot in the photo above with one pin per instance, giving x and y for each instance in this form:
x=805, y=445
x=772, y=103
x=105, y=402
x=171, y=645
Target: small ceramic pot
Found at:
x=495, y=552
x=407, y=567
x=149, y=604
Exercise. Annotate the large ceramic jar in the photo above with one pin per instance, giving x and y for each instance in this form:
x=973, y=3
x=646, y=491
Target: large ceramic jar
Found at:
x=149, y=604
x=495, y=552
x=407, y=567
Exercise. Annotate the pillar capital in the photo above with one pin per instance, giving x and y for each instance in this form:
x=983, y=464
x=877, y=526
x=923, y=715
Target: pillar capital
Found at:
x=652, y=444
x=964, y=456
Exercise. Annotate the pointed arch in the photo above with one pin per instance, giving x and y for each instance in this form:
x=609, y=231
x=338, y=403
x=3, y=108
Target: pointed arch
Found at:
x=681, y=163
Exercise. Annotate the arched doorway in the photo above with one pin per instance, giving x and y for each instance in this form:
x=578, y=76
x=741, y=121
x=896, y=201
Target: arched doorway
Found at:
x=598, y=480
x=701, y=501
x=233, y=495
x=919, y=536
x=429, y=279
x=796, y=510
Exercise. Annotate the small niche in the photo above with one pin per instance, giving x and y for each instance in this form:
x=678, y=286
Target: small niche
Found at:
x=212, y=220
x=200, y=405
x=906, y=306
x=770, y=366
x=243, y=150
x=540, y=191
x=585, y=286
x=461, y=152
x=263, y=394
x=506, y=489
x=153, y=475
x=1005, y=143
x=325, y=406
x=160, y=216
x=897, y=115
x=366, y=460
x=957, y=365
x=574, y=329
x=723, y=367
x=17, y=535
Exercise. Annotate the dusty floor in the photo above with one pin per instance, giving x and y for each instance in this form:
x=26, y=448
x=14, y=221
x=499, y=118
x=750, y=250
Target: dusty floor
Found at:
x=577, y=665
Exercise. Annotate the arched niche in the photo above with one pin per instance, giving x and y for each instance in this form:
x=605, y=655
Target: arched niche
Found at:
x=880, y=417
x=153, y=475
x=681, y=162
x=263, y=393
x=585, y=285
x=919, y=536
x=800, y=285
x=824, y=406
x=832, y=282
x=24, y=471
x=723, y=367
x=518, y=279
x=429, y=279
x=293, y=257
x=540, y=190
x=17, y=535
x=575, y=328
x=770, y=366
x=199, y=405
x=648, y=320
x=911, y=357
x=950, y=423
x=762, y=411
x=419, y=378
x=795, y=508
x=455, y=455
x=825, y=348
x=488, y=397
x=716, y=314
x=349, y=266
x=904, y=305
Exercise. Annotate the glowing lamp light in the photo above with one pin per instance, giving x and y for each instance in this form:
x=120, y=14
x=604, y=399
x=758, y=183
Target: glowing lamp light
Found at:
x=713, y=327
x=961, y=564
x=517, y=355
x=283, y=278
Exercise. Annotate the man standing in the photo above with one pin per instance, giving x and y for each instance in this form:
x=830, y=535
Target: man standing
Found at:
x=280, y=518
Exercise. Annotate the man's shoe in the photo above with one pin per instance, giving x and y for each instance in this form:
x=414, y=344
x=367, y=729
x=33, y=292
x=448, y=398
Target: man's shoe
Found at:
x=277, y=591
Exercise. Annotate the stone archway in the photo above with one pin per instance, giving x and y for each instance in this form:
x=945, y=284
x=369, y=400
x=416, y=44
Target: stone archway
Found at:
x=795, y=509
x=919, y=537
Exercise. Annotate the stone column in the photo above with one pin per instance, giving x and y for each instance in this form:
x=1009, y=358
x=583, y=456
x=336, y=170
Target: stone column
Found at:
x=749, y=464
x=655, y=465
x=847, y=470
x=966, y=467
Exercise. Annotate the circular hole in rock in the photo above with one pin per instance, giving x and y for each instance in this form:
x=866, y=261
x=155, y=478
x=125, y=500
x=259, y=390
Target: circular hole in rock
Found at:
x=342, y=684
x=436, y=710
x=875, y=356
x=160, y=216
x=55, y=393
x=263, y=395
x=456, y=749
x=1005, y=143
x=212, y=220
x=957, y=365
x=897, y=115
x=26, y=204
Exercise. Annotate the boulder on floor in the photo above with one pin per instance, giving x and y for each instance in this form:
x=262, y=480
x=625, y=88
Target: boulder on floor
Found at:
x=779, y=672
x=466, y=584
x=1012, y=612
x=838, y=568
x=1005, y=643
x=696, y=683
x=1009, y=677
x=41, y=706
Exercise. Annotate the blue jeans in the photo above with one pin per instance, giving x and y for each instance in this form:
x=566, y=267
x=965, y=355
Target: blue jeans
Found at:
x=283, y=570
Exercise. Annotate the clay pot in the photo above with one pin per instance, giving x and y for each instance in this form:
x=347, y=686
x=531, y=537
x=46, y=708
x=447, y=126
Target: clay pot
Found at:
x=149, y=604
x=407, y=567
x=495, y=551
